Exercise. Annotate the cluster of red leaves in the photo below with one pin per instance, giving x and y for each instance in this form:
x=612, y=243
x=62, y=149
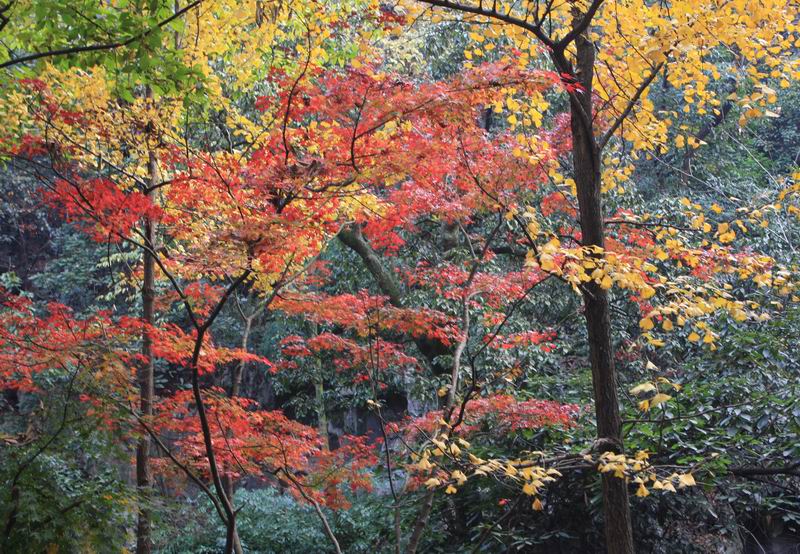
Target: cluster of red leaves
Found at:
x=31, y=343
x=494, y=290
x=99, y=207
x=253, y=442
x=347, y=354
x=498, y=414
x=366, y=315
x=544, y=340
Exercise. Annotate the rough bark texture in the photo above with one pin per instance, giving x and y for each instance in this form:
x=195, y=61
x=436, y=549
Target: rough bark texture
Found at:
x=146, y=374
x=586, y=160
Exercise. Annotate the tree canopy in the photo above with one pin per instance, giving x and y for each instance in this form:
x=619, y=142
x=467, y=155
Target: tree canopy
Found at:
x=449, y=276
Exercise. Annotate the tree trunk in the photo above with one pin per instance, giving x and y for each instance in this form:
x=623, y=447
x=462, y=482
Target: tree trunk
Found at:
x=319, y=392
x=322, y=417
x=146, y=374
x=587, y=176
x=236, y=384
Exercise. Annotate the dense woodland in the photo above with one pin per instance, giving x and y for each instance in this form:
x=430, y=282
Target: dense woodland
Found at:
x=434, y=276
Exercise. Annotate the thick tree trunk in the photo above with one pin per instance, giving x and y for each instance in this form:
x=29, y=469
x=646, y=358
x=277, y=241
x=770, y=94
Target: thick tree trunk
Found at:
x=586, y=161
x=146, y=374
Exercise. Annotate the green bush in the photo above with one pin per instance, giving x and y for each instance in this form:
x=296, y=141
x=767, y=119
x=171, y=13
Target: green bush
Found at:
x=275, y=523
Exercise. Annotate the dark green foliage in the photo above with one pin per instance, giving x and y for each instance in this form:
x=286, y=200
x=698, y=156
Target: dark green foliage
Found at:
x=275, y=523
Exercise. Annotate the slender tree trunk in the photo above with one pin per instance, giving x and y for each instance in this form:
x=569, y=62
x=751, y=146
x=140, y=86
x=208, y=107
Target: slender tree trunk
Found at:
x=586, y=160
x=236, y=384
x=146, y=374
x=319, y=393
x=322, y=417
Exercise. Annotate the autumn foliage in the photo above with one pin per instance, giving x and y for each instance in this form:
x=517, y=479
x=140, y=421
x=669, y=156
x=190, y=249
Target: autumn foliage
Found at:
x=458, y=195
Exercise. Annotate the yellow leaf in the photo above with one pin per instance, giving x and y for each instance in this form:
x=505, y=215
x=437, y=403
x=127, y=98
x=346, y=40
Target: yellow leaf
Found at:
x=644, y=387
x=537, y=505
x=450, y=489
x=424, y=464
x=659, y=399
x=646, y=323
x=529, y=489
x=642, y=491
x=432, y=483
x=693, y=337
x=686, y=480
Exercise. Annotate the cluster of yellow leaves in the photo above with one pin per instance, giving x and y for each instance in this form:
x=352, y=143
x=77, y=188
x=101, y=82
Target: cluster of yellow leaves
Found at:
x=531, y=474
x=687, y=46
x=583, y=264
x=682, y=298
x=140, y=126
x=639, y=39
x=638, y=470
x=685, y=43
x=526, y=473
